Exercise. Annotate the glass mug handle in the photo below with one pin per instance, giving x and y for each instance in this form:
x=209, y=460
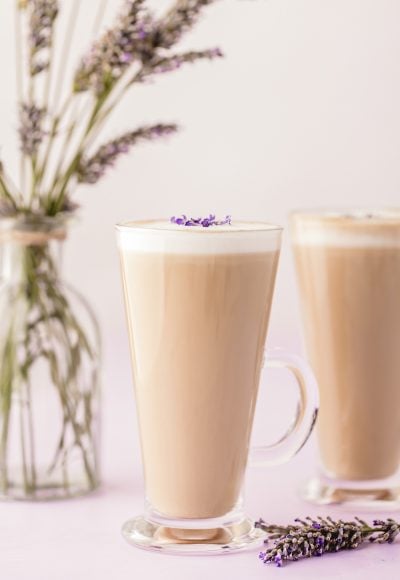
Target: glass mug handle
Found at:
x=306, y=414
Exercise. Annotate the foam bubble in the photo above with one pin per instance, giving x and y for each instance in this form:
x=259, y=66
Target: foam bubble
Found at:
x=161, y=236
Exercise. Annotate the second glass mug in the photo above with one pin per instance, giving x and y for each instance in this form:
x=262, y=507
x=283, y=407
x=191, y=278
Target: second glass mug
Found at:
x=348, y=266
x=198, y=303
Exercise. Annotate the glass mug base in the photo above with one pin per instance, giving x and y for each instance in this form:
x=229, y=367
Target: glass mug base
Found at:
x=203, y=537
x=380, y=494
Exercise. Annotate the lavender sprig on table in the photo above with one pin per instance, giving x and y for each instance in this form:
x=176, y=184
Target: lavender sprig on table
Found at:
x=206, y=222
x=316, y=537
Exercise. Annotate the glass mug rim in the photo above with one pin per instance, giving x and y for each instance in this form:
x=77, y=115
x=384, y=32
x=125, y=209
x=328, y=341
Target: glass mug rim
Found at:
x=149, y=226
x=351, y=214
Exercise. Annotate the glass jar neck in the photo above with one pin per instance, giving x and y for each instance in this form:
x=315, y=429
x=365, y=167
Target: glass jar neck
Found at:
x=26, y=250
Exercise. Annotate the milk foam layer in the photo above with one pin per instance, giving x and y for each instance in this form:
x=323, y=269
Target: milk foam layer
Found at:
x=164, y=237
x=353, y=229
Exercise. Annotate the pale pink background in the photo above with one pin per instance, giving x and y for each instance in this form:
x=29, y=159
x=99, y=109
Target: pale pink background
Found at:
x=303, y=111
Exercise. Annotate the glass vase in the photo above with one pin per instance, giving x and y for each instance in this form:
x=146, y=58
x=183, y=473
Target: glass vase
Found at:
x=49, y=369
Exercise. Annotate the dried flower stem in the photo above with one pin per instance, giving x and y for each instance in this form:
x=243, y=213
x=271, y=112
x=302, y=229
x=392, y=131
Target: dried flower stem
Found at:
x=57, y=201
x=58, y=117
x=53, y=133
x=19, y=82
x=99, y=17
x=65, y=52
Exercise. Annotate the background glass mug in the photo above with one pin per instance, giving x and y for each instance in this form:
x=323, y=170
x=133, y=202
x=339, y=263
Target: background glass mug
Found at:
x=198, y=302
x=348, y=266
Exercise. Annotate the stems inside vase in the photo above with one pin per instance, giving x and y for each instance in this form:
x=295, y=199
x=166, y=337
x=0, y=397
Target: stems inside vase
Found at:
x=44, y=330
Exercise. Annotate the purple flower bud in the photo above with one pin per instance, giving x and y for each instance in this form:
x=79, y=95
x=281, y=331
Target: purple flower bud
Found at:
x=216, y=52
x=278, y=560
x=203, y=222
x=126, y=57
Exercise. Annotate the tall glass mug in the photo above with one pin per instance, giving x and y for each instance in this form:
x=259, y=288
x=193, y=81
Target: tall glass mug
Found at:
x=198, y=303
x=348, y=266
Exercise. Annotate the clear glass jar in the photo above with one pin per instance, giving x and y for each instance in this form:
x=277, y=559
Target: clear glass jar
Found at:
x=49, y=369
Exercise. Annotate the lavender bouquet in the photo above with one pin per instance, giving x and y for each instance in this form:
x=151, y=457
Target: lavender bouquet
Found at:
x=49, y=340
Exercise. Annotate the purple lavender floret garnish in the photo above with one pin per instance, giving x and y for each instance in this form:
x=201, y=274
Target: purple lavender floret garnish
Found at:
x=308, y=538
x=206, y=222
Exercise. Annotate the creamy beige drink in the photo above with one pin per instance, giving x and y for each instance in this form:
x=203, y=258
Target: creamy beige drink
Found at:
x=198, y=305
x=349, y=277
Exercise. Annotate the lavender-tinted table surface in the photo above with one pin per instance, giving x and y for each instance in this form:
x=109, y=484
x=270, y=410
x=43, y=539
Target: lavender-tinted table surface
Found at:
x=81, y=539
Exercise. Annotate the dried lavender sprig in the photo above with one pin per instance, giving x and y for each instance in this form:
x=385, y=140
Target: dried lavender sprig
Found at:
x=174, y=62
x=92, y=169
x=115, y=50
x=181, y=18
x=138, y=37
x=31, y=131
x=310, y=537
x=42, y=16
x=206, y=222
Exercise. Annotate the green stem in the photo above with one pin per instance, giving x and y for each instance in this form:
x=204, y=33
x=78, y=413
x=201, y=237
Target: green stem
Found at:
x=51, y=139
x=34, y=181
x=4, y=190
x=6, y=387
x=99, y=16
x=73, y=125
x=107, y=112
x=63, y=385
x=27, y=487
x=19, y=79
x=66, y=49
x=31, y=433
x=63, y=180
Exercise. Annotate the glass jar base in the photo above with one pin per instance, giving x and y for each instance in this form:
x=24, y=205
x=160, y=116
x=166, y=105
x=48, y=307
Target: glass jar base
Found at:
x=208, y=539
x=44, y=488
x=372, y=494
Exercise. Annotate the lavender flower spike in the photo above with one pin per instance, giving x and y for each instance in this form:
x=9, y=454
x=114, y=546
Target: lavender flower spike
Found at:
x=202, y=222
x=42, y=15
x=121, y=45
x=30, y=132
x=171, y=63
x=182, y=16
x=316, y=538
x=92, y=169
x=140, y=37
